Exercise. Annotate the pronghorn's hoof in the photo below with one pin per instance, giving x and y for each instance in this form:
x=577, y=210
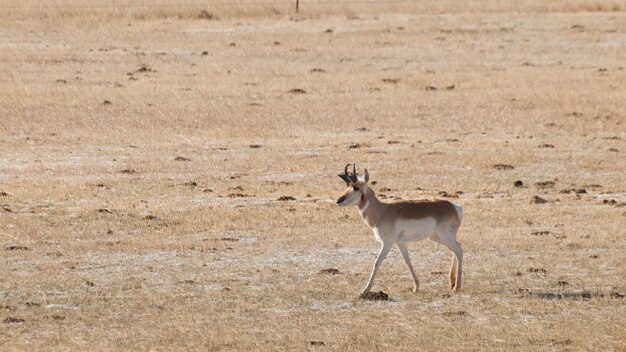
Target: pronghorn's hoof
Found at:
x=415, y=288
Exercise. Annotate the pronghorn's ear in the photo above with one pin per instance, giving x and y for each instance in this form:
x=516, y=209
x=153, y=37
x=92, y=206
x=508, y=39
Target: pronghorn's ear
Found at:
x=366, y=175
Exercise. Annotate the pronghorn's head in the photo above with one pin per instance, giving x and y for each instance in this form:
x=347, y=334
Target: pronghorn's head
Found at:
x=356, y=187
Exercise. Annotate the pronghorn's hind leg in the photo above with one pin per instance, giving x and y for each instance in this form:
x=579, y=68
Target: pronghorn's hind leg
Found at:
x=448, y=239
x=457, y=266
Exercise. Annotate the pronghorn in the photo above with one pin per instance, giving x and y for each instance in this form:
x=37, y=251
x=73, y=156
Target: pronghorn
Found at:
x=405, y=221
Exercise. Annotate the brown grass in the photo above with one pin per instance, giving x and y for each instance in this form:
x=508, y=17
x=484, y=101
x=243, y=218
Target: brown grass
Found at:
x=148, y=161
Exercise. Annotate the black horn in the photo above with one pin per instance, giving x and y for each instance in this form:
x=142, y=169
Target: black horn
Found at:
x=353, y=177
x=345, y=175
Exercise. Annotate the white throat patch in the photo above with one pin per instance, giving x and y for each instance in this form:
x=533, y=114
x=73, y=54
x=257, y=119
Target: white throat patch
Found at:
x=367, y=204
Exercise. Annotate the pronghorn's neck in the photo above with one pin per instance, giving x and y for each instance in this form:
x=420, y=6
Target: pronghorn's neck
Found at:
x=370, y=207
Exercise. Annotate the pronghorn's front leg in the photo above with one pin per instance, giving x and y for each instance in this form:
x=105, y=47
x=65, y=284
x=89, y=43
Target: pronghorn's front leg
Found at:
x=407, y=260
x=384, y=250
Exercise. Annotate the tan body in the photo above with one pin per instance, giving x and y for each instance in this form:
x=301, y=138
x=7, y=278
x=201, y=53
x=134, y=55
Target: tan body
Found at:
x=401, y=222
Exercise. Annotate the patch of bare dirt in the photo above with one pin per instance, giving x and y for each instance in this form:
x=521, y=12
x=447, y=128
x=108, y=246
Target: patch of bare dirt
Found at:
x=548, y=233
x=457, y=313
x=375, y=296
x=574, y=190
x=585, y=295
x=331, y=271
x=239, y=195
x=613, y=202
x=356, y=146
x=144, y=69
x=538, y=271
x=229, y=239
x=592, y=186
x=544, y=184
x=450, y=195
x=503, y=167
x=12, y=320
x=17, y=248
x=206, y=15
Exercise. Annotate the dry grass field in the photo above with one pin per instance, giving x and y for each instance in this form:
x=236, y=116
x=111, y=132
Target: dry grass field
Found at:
x=168, y=174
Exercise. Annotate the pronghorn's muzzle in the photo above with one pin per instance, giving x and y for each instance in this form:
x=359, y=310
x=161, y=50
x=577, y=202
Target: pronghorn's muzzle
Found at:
x=341, y=199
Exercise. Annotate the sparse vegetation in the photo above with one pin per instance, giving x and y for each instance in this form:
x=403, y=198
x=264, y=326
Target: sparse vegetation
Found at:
x=167, y=182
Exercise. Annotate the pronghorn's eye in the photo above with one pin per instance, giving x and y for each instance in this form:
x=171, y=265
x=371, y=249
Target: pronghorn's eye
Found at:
x=355, y=188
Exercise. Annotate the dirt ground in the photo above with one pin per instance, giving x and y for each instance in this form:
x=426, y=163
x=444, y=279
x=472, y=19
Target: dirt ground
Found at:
x=168, y=176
